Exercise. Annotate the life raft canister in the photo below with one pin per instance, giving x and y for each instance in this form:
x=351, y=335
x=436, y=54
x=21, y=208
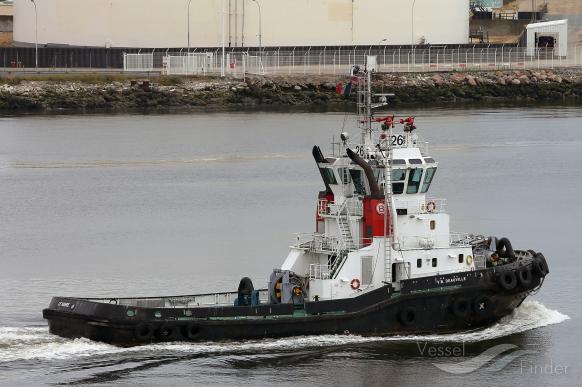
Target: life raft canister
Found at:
x=355, y=284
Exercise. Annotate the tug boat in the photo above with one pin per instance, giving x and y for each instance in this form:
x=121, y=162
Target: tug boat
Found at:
x=382, y=260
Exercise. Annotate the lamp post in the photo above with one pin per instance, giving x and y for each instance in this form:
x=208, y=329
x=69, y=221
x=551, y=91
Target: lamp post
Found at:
x=412, y=31
x=189, y=1
x=222, y=67
x=260, y=27
x=35, y=34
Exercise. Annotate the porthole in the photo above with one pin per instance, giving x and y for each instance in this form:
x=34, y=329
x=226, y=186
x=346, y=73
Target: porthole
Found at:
x=158, y=314
x=188, y=313
x=130, y=313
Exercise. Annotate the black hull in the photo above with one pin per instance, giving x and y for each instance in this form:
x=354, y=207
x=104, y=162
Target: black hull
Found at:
x=440, y=304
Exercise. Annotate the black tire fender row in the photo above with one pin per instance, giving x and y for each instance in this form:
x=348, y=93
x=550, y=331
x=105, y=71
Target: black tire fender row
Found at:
x=540, y=265
x=143, y=331
x=524, y=276
x=407, y=316
x=507, y=279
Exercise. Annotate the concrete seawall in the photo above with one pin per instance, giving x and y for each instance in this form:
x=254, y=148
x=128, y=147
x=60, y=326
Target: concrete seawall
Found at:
x=93, y=93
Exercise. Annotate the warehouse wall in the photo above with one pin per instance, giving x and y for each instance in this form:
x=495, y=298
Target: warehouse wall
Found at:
x=155, y=23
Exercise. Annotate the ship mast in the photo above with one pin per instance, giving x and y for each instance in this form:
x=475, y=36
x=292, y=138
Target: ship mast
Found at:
x=365, y=119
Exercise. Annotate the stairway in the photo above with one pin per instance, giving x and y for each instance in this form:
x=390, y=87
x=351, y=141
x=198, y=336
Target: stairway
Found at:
x=344, y=228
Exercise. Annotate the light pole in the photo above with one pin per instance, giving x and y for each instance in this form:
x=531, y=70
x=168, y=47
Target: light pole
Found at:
x=260, y=27
x=412, y=30
x=35, y=34
x=222, y=68
x=189, y=1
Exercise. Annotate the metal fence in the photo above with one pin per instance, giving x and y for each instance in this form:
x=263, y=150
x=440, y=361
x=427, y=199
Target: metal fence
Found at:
x=286, y=61
x=339, y=61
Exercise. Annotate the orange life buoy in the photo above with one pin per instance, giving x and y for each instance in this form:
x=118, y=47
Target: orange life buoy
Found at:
x=430, y=206
x=355, y=284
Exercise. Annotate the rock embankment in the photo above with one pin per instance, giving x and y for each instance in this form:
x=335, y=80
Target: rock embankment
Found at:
x=302, y=91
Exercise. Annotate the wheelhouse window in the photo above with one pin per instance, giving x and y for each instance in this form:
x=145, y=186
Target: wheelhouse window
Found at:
x=328, y=175
x=414, y=178
x=398, y=178
x=398, y=162
x=415, y=161
x=344, y=174
x=428, y=176
x=358, y=179
x=429, y=160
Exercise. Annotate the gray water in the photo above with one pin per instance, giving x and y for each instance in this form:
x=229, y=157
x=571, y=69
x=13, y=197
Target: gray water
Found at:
x=124, y=205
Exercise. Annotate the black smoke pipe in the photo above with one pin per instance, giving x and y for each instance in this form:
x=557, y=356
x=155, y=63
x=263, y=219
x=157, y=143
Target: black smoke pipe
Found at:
x=318, y=156
x=374, y=188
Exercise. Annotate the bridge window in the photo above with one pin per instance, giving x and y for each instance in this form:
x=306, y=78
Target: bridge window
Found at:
x=328, y=175
x=345, y=175
x=398, y=162
x=428, y=178
x=357, y=178
x=414, y=178
x=398, y=177
x=415, y=161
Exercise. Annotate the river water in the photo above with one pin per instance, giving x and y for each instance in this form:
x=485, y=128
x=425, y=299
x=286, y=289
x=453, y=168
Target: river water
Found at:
x=150, y=204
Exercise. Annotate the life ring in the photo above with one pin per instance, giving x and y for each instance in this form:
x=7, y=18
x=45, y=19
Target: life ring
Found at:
x=355, y=284
x=380, y=208
x=431, y=206
x=469, y=260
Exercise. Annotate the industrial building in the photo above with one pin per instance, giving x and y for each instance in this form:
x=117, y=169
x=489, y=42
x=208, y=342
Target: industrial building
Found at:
x=239, y=23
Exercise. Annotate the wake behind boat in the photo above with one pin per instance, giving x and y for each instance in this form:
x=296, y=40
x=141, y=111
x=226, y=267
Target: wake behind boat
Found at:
x=382, y=260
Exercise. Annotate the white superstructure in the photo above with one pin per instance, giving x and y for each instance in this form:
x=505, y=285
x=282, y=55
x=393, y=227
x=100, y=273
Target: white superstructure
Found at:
x=358, y=245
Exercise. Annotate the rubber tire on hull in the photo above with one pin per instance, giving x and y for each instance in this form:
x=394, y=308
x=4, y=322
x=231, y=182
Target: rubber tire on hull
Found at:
x=168, y=332
x=524, y=276
x=461, y=307
x=482, y=305
x=540, y=265
x=143, y=331
x=191, y=331
x=507, y=280
x=407, y=316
